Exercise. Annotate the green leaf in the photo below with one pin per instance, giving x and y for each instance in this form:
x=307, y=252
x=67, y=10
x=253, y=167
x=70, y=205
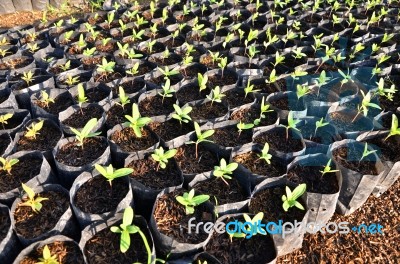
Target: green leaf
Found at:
x=298, y=191
x=29, y=191
x=125, y=241
x=128, y=216
x=200, y=199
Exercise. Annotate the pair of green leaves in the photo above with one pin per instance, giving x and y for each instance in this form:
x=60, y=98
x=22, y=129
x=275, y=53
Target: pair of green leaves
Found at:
x=189, y=200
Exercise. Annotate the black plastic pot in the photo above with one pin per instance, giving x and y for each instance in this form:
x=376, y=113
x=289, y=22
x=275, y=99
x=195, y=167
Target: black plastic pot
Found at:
x=7, y=144
x=67, y=174
x=9, y=101
x=66, y=225
x=85, y=218
x=95, y=89
x=356, y=187
x=9, y=246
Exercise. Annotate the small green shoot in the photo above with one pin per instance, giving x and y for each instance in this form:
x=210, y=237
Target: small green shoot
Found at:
x=265, y=155
x=135, y=121
x=290, y=199
x=328, y=168
x=85, y=132
x=394, y=129
x=110, y=174
x=47, y=257
x=224, y=170
x=7, y=164
x=366, y=152
x=190, y=201
x=182, y=114
x=34, y=203
x=201, y=136
x=34, y=129
x=162, y=157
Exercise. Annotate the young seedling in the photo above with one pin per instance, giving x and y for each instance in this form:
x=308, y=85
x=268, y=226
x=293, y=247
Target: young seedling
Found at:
x=182, y=114
x=70, y=81
x=394, y=129
x=167, y=72
x=222, y=64
x=322, y=80
x=256, y=220
x=45, y=99
x=264, y=108
x=201, y=137
x=47, y=257
x=365, y=104
x=302, y=90
x=4, y=118
x=81, y=96
x=242, y=126
x=249, y=89
x=318, y=124
x=224, y=170
x=190, y=201
x=7, y=164
x=290, y=199
x=386, y=92
x=106, y=67
x=85, y=132
x=126, y=229
x=215, y=95
x=28, y=77
x=110, y=174
x=346, y=77
x=264, y=154
x=134, y=70
x=328, y=168
x=292, y=123
x=136, y=122
x=123, y=98
x=89, y=52
x=66, y=66
x=202, y=81
x=162, y=157
x=34, y=203
x=167, y=91
x=366, y=152
x=34, y=129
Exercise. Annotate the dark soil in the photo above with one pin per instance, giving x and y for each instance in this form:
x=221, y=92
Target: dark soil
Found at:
x=187, y=161
x=104, y=248
x=251, y=161
x=218, y=79
x=171, y=129
x=269, y=201
x=5, y=223
x=174, y=79
x=128, y=142
x=45, y=140
x=116, y=115
x=344, y=122
x=73, y=155
x=258, y=249
x=316, y=183
x=30, y=224
x=66, y=252
x=249, y=114
x=208, y=111
x=79, y=119
x=95, y=94
x=15, y=63
x=388, y=149
x=191, y=93
x=349, y=158
x=61, y=102
x=164, y=61
x=224, y=193
x=13, y=122
x=147, y=172
x=106, y=78
x=23, y=171
x=285, y=103
x=96, y=196
x=155, y=106
x=191, y=71
x=90, y=63
x=131, y=87
x=274, y=138
x=236, y=98
x=171, y=219
x=230, y=137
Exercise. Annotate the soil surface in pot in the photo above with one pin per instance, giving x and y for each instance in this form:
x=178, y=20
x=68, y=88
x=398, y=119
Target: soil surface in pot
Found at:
x=174, y=79
x=388, y=149
x=81, y=116
x=30, y=224
x=248, y=114
x=191, y=93
x=224, y=193
x=5, y=223
x=23, y=171
x=191, y=71
x=73, y=155
x=349, y=158
x=147, y=172
x=155, y=106
x=90, y=63
x=276, y=142
x=97, y=196
x=61, y=102
x=116, y=114
x=104, y=248
x=95, y=94
x=344, y=122
x=187, y=161
x=269, y=201
x=258, y=249
x=171, y=129
x=229, y=136
x=220, y=80
x=16, y=63
x=13, y=122
x=171, y=219
x=316, y=182
x=285, y=103
x=266, y=88
x=321, y=137
x=66, y=252
x=130, y=87
x=236, y=98
x=390, y=105
x=128, y=142
x=208, y=111
x=46, y=139
x=253, y=163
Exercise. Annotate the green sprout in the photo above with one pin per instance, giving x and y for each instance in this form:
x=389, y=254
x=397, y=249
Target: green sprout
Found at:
x=292, y=123
x=4, y=118
x=135, y=121
x=264, y=108
x=47, y=257
x=302, y=90
x=224, y=170
x=318, y=124
x=264, y=154
x=290, y=199
x=167, y=91
x=328, y=168
x=7, y=164
x=249, y=89
x=394, y=129
x=190, y=201
x=105, y=66
x=34, y=203
x=215, y=95
x=201, y=137
x=242, y=126
x=34, y=129
x=81, y=96
x=162, y=157
x=123, y=98
x=366, y=152
x=28, y=77
x=110, y=174
x=182, y=114
x=126, y=229
x=45, y=99
x=71, y=80
x=85, y=132
x=202, y=81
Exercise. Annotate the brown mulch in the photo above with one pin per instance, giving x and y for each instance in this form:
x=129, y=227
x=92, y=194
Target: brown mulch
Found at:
x=353, y=247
